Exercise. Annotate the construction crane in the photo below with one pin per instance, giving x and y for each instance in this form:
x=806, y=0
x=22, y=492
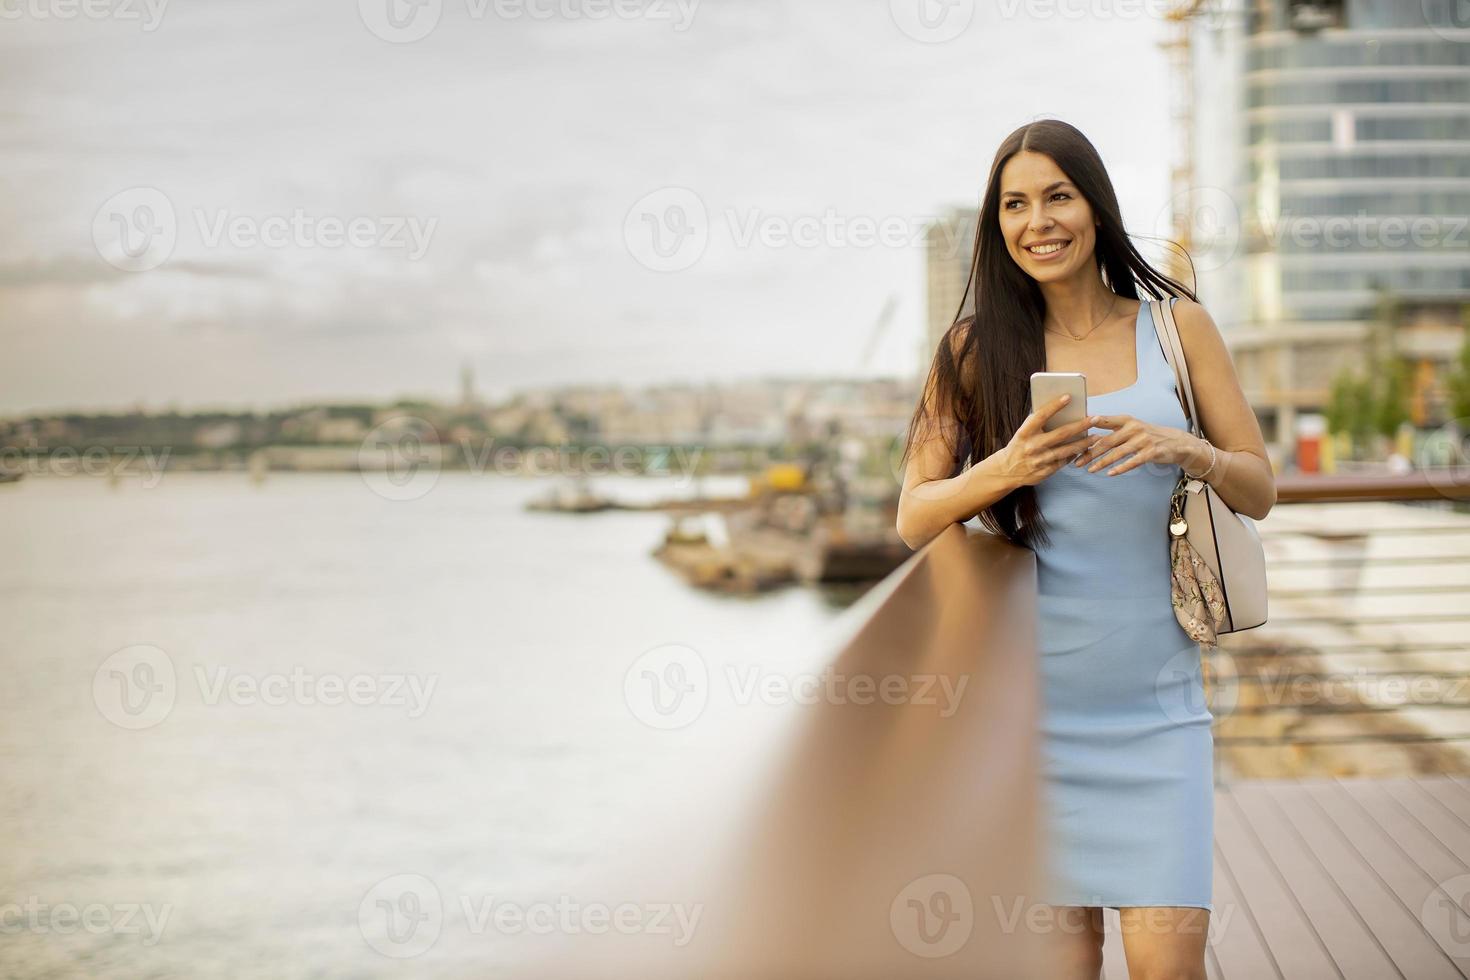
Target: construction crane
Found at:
x=1181, y=118
x=877, y=330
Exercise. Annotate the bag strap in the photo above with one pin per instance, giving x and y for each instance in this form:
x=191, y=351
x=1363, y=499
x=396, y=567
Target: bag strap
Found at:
x=1173, y=348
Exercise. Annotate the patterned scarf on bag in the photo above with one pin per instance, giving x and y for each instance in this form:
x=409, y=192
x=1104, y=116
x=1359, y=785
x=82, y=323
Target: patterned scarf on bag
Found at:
x=1199, y=604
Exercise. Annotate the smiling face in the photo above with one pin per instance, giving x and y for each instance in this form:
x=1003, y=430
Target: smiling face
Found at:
x=1048, y=227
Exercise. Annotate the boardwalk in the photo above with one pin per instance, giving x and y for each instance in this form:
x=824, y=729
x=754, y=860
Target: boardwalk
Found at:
x=1349, y=879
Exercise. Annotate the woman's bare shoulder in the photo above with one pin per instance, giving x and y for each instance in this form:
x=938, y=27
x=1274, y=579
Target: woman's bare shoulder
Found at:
x=1195, y=321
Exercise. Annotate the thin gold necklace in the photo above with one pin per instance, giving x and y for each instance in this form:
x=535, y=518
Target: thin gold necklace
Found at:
x=1105, y=315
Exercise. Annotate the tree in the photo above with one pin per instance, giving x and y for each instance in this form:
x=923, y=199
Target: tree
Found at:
x=1457, y=381
x=1351, y=407
x=1339, y=410
x=1391, y=401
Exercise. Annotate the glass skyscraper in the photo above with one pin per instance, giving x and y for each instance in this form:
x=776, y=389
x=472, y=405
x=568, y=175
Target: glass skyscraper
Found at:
x=1339, y=135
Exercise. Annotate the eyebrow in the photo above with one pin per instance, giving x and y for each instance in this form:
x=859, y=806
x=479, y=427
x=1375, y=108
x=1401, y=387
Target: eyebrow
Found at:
x=1047, y=189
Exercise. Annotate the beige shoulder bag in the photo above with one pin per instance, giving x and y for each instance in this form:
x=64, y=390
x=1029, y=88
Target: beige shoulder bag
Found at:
x=1219, y=566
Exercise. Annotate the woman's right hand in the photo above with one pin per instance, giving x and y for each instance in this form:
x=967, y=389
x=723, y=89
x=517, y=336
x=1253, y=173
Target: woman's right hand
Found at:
x=1033, y=454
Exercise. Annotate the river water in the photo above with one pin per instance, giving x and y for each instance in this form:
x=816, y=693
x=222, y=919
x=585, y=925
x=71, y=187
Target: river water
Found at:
x=232, y=712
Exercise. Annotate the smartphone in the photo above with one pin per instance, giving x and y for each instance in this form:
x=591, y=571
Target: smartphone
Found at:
x=1049, y=385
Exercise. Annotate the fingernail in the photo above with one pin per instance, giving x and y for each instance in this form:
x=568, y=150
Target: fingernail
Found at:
x=1066, y=398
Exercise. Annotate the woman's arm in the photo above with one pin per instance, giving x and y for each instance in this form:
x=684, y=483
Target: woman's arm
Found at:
x=928, y=504
x=930, y=499
x=1242, y=475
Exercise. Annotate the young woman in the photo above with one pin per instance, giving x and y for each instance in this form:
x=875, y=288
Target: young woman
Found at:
x=1128, y=747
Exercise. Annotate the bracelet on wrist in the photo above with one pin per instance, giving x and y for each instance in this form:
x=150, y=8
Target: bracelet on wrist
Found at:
x=1208, y=469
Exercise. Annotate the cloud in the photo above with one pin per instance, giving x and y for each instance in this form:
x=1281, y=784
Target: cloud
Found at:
x=85, y=270
x=528, y=141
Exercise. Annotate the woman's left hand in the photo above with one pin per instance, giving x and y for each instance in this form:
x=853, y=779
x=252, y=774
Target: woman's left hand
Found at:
x=1148, y=443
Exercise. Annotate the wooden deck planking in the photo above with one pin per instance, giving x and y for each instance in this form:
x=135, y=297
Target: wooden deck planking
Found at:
x=1452, y=793
x=1463, y=781
x=1426, y=853
x=1237, y=945
x=1353, y=879
x=1212, y=966
x=1355, y=953
x=1376, y=910
x=1115, y=960
x=1295, y=946
x=1434, y=816
x=1396, y=847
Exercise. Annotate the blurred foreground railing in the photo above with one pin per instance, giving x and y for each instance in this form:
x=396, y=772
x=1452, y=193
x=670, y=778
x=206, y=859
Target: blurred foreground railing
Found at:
x=894, y=819
x=897, y=834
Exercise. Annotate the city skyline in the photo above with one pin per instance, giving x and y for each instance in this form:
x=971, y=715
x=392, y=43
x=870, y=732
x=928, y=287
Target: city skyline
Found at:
x=499, y=163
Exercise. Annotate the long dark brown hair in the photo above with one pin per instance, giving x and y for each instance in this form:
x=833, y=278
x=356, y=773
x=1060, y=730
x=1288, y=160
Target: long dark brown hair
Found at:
x=978, y=390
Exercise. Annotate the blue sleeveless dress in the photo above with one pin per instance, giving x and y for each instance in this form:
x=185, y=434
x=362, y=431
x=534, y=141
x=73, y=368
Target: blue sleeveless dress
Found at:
x=1128, y=783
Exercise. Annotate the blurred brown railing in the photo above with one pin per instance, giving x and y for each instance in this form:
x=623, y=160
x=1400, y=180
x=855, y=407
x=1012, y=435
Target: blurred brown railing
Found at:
x=1450, y=484
x=895, y=837
x=890, y=817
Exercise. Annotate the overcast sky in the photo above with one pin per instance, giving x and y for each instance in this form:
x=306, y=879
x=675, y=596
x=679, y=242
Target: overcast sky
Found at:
x=249, y=203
